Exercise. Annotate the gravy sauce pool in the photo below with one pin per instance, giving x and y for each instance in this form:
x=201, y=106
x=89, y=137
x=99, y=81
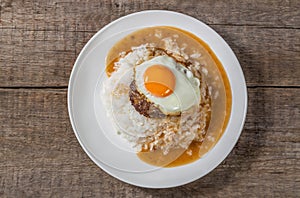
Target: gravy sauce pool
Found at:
x=213, y=73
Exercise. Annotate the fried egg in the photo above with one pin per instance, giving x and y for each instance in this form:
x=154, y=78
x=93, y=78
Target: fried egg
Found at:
x=168, y=84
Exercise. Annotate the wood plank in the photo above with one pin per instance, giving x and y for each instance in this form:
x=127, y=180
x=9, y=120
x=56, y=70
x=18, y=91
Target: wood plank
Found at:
x=269, y=57
x=38, y=58
x=91, y=15
x=40, y=155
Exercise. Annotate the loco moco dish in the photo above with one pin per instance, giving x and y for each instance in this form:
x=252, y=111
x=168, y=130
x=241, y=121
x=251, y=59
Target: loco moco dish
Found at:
x=167, y=95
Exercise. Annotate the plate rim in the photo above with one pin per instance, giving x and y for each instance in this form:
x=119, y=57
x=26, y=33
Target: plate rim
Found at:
x=72, y=79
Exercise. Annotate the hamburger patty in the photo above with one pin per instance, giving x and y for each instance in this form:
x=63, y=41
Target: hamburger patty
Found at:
x=142, y=105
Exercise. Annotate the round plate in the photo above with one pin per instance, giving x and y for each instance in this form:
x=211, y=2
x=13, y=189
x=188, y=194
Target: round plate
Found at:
x=88, y=124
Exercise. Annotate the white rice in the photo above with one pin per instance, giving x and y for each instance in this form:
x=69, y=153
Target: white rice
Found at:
x=142, y=132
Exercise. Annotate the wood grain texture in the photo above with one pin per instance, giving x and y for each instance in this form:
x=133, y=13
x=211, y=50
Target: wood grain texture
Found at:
x=38, y=58
x=92, y=14
x=40, y=155
x=32, y=33
x=27, y=57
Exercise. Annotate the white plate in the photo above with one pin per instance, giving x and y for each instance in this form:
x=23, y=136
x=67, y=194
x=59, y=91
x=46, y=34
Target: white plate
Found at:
x=84, y=114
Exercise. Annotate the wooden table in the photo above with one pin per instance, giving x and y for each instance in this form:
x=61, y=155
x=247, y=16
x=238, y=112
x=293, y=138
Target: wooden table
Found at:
x=39, y=42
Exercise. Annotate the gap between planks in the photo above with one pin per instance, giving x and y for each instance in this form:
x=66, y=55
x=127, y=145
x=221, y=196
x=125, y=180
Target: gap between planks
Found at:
x=66, y=87
x=209, y=24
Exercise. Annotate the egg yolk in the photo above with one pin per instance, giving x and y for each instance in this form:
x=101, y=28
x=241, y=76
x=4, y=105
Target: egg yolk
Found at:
x=159, y=80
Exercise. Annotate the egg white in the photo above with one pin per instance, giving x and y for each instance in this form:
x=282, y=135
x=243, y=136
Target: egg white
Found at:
x=186, y=93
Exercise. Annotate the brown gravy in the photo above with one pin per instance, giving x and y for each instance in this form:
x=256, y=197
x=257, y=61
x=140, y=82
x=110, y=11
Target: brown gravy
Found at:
x=216, y=78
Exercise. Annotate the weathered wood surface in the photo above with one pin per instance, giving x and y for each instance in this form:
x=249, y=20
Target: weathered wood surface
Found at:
x=90, y=15
x=33, y=33
x=27, y=55
x=39, y=42
x=42, y=156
